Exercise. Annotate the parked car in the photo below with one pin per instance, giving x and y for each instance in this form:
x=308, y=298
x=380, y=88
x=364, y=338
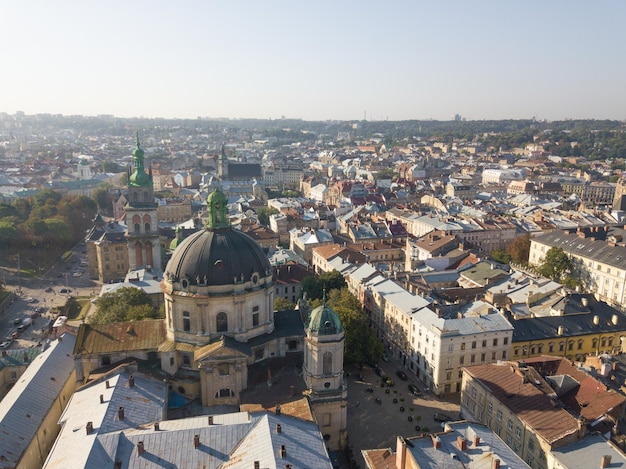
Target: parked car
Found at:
x=388, y=381
x=413, y=389
x=30, y=299
x=402, y=375
x=49, y=290
x=439, y=417
x=65, y=290
x=17, y=321
x=5, y=343
x=379, y=370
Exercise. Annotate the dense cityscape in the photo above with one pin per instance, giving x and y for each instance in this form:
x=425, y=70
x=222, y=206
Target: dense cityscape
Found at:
x=287, y=293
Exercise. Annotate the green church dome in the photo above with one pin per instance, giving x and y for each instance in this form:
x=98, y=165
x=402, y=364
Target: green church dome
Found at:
x=324, y=321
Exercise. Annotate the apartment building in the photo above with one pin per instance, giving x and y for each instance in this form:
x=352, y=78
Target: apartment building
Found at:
x=599, y=256
x=512, y=399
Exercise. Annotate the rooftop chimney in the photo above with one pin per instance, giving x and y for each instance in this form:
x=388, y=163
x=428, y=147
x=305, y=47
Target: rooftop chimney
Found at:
x=140, y=448
x=605, y=461
x=118, y=464
x=101, y=398
x=196, y=441
x=278, y=409
x=89, y=428
x=25, y=357
x=283, y=451
x=461, y=443
x=436, y=442
x=495, y=464
x=131, y=381
x=107, y=384
x=120, y=413
x=257, y=465
x=279, y=429
x=476, y=440
x=156, y=426
x=210, y=420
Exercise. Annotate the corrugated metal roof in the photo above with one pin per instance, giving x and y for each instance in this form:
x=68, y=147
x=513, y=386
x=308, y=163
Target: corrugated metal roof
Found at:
x=143, y=403
x=26, y=405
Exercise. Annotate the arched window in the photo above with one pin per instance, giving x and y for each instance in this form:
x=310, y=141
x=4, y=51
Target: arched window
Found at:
x=327, y=363
x=221, y=322
x=137, y=223
x=594, y=343
x=149, y=254
x=146, y=227
x=186, y=321
x=145, y=196
x=225, y=392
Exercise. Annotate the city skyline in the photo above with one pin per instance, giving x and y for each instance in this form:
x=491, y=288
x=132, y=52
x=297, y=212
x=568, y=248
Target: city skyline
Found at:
x=317, y=61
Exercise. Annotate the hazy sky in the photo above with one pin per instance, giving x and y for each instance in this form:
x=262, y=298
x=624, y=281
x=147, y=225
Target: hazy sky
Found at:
x=315, y=60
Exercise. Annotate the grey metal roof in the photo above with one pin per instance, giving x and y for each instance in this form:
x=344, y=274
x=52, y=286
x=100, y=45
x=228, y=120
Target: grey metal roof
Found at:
x=26, y=405
x=588, y=453
x=143, y=403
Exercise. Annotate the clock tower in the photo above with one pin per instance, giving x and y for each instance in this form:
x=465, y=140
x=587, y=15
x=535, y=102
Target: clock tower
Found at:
x=142, y=234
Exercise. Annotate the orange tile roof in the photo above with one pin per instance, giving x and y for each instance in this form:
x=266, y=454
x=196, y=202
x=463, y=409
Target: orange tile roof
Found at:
x=525, y=400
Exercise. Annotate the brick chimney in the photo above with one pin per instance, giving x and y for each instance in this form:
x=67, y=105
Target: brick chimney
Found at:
x=436, y=442
x=140, y=448
x=131, y=381
x=156, y=426
x=605, y=461
x=101, y=398
x=476, y=440
x=461, y=443
x=210, y=420
x=279, y=429
x=89, y=428
x=196, y=441
x=495, y=464
x=120, y=413
x=283, y=451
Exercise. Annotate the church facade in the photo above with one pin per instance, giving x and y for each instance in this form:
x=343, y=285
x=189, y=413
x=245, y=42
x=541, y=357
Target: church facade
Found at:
x=218, y=291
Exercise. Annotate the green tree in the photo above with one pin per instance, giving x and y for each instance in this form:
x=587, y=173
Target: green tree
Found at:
x=556, y=264
x=519, y=249
x=264, y=214
x=103, y=198
x=501, y=256
x=314, y=286
x=361, y=344
x=125, y=304
x=281, y=304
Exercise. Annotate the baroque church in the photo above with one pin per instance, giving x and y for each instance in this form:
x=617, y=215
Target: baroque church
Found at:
x=220, y=327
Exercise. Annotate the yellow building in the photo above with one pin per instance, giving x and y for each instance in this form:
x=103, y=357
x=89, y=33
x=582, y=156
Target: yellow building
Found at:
x=571, y=326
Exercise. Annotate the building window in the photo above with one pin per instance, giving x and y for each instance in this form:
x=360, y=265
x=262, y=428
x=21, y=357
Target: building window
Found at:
x=147, y=227
x=505, y=341
x=490, y=407
x=495, y=342
x=561, y=346
x=171, y=361
x=482, y=357
x=540, y=348
x=463, y=346
x=223, y=369
x=186, y=321
x=136, y=227
x=473, y=391
x=499, y=416
x=551, y=347
x=255, y=319
x=518, y=432
x=224, y=393
x=493, y=356
x=259, y=353
x=221, y=322
x=570, y=345
x=484, y=343
x=472, y=359
x=594, y=343
x=473, y=344
x=450, y=347
x=462, y=360
x=293, y=345
x=516, y=351
x=327, y=363
x=504, y=355
x=510, y=425
x=186, y=360
x=580, y=344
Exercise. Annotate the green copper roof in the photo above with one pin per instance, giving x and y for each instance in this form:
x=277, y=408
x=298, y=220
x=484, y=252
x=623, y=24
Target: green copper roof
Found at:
x=324, y=321
x=217, y=208
x=139, y=178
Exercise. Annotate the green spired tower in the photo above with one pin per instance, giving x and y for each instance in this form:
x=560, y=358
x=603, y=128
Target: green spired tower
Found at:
x=142, y=234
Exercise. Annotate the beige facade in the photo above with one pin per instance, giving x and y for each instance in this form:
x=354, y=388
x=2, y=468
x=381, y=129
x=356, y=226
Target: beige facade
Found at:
x=173, y=211
x=507, y=400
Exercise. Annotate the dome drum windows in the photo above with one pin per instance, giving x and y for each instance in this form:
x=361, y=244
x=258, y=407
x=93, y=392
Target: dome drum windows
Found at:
x=221, y=322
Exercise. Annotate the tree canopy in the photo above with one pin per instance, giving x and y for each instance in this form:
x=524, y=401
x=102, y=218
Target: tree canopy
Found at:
x=556, y=265
x=361, y=344
x=314, y=285
x=125, y=304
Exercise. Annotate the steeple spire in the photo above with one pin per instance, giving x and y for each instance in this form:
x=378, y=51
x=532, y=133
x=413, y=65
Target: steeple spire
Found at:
x=139, y=177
